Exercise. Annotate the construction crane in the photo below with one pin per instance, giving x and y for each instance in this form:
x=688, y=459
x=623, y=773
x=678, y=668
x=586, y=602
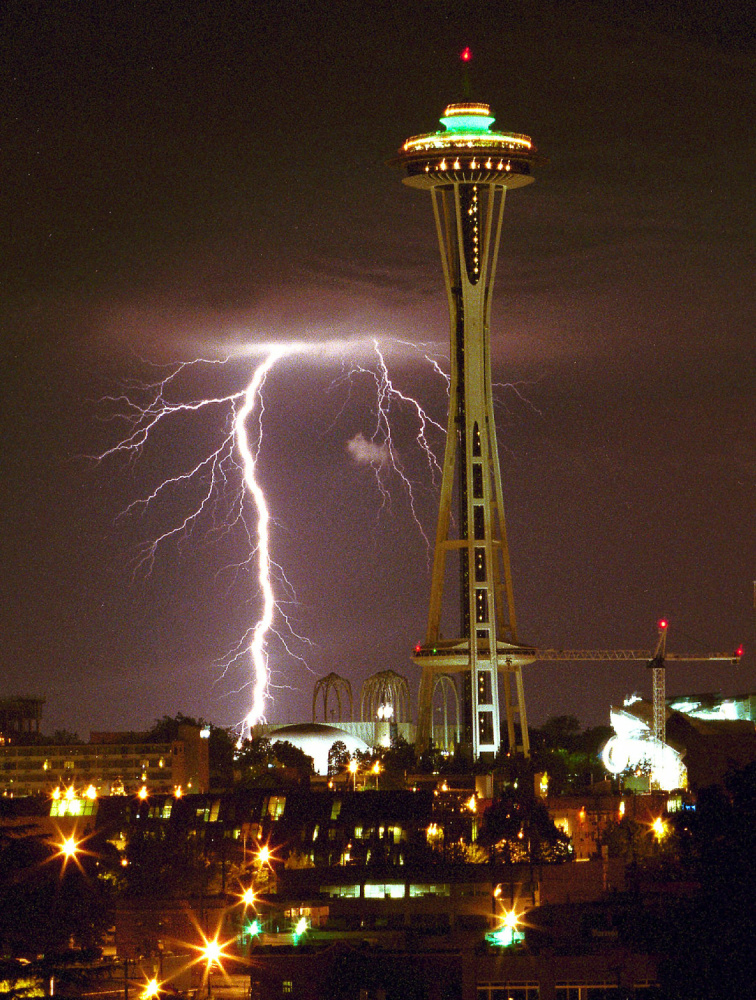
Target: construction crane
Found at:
x=656, y=663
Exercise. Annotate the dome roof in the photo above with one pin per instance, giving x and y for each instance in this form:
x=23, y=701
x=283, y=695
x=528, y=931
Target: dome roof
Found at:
x=316, y=739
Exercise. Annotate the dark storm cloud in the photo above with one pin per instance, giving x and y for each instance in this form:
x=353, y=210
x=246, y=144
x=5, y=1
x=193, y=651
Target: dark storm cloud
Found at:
x=194, y=177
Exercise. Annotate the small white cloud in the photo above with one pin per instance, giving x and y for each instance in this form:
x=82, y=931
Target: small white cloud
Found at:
x=366, y=452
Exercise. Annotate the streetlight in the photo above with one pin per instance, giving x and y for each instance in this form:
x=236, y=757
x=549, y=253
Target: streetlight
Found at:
x=659, y=828
x=69, y=848
x=248, y=897
x=212, y=953
x=151, y=990
x=508, y=932
x=353, y=766
x=264, y=855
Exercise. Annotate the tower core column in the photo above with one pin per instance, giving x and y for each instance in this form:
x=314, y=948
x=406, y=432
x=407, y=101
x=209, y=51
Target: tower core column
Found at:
x=468, y=168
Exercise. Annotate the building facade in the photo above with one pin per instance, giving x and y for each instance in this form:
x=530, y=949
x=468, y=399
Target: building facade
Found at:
x=110, y=764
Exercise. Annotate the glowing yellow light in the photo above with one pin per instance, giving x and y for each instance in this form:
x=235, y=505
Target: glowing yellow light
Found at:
x=70, y=793
x=353, y=765
x=622, y=808
x=263, y=855
x=91, y=792
x=301, y=926
x=472, y=804
x=56, y=793
x=143, y=792
x=151, y=989
x=177, y=792
x=212, y=952
x=497, y=891
x=509, y=919
x=69, y=847
x=659, y=827
x=248, y=896
x=452, y=110
x=377, y=767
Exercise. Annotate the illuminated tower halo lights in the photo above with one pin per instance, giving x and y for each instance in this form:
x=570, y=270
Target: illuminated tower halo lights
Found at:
x=468, y=168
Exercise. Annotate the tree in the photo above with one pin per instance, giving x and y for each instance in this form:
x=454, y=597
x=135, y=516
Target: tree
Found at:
x=517, y=827
x=286, y=754
x=63, y=737
x=166, y=730
x=251, y=759
x=568, y=755
x=400, y=756
x=338, y=758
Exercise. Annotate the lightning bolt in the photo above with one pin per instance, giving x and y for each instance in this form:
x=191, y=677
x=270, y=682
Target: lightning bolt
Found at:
x=258, y=650
x=218, y=485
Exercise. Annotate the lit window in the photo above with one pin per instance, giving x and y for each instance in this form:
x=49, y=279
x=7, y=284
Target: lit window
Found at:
x=429, y=890
x=275, y=807
x=341, y=891
x=391, y=890
x=286, y=986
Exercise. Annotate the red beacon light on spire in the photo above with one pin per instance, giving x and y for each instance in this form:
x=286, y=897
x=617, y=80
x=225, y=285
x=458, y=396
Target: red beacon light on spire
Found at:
x=739, y=652
x=663, y=623
x=465, y=55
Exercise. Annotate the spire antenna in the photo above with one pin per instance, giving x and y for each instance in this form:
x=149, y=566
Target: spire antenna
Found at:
x=466, y=58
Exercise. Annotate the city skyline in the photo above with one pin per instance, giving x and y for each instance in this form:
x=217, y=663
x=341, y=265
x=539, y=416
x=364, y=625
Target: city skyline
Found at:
x=181, y=185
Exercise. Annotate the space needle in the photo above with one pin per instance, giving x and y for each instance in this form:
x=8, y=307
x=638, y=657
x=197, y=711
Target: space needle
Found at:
x=468, y=167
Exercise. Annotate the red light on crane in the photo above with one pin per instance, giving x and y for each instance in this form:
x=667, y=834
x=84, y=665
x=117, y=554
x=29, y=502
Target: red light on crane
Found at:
x=663, y=623
x=465, y=55
x=739, y=651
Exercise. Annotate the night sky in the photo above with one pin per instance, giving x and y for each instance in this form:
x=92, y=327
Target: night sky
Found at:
x=183, y=180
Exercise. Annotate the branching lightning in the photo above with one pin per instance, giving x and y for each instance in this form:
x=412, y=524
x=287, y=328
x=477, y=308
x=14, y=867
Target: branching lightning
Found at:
x=225, y=480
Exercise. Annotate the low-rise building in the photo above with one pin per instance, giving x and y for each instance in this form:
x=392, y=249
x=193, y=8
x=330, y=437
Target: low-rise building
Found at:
x=110, y=763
